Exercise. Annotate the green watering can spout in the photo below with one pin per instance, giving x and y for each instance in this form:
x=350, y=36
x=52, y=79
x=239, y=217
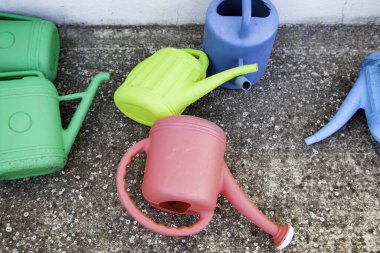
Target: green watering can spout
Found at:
x=70, y=133
x=201, y=88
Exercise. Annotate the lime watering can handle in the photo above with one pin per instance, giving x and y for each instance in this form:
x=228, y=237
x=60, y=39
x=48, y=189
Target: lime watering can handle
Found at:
x=9, y=16
x=246, y=18
x=22, y=74
x=201, y=57
x=140, y=217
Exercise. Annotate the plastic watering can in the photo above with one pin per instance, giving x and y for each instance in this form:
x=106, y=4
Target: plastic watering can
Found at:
x=185, y=172
x=240, y=32
x=167, y=82
x=33, y=142
x=365, y=94
x=28, y=44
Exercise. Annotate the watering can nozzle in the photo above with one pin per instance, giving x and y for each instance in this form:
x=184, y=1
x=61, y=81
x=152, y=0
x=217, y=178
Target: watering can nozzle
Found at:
x=72, y=130
x=242, y=83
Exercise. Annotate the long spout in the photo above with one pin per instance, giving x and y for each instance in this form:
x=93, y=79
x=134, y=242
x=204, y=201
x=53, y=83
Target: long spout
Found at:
x=205, y=86
x=282, y=235
x=70, y=133
x=351, y=104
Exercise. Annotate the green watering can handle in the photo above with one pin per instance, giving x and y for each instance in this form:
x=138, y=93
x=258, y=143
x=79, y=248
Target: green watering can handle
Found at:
x=200, y=55
x=9, y=16
x=22, y=74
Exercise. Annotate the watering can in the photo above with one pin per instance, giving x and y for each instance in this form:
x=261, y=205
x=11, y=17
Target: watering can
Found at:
x=167, y=82
x=240, y=32
x=28, y=43
x=185, y=172
x=33, y=142
x=365, y=94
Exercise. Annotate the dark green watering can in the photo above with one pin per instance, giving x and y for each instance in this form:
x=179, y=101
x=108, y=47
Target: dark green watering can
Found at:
x=33, y=142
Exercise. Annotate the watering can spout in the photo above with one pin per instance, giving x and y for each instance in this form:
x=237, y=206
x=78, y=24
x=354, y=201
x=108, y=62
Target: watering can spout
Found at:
x=282, y=235
x=351, y=104
x=70, y=133
x=205, y=86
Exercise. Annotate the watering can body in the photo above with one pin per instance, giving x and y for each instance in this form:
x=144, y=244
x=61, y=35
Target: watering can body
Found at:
x=167, y=82
x=33, y=142
x=240, y=32
x=184, y=173
x=28, y=44
x=365, y=94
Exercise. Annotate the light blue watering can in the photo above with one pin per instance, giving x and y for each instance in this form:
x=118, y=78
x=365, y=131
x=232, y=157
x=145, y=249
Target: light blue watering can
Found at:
x=365, y=94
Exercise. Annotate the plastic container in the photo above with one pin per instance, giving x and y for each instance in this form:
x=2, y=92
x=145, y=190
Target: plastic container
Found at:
x=167, y=82
x=185, y=172
x=33, y=142
x=240, y=32
x=365, y=94
x=28, y=44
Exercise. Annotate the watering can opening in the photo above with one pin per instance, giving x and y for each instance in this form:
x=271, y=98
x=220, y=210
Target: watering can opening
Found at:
x=235, y=8
x=175, y=206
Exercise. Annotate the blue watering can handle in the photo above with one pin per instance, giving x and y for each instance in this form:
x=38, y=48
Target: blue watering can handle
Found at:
x=22, y=74
x=246, y=18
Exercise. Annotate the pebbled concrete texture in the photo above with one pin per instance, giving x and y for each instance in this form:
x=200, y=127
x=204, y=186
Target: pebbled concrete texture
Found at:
x=329, y=191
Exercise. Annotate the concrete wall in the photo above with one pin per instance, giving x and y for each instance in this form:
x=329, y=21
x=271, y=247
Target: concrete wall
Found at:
x=136, y=12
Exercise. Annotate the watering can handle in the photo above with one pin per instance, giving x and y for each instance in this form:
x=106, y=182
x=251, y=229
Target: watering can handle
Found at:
x=246, y=18
x=9, y=16
x=22, y=74
x=140, y=217
x=200, y=55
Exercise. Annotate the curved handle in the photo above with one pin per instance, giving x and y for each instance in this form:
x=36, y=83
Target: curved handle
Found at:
x=246, y=18
x=22, y=74
x=201, y=56
x=9, y=16
x=129, y=205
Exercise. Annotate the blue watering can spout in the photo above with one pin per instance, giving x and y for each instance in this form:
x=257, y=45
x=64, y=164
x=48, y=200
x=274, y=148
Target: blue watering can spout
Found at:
x=364, y=94
x=242, y=82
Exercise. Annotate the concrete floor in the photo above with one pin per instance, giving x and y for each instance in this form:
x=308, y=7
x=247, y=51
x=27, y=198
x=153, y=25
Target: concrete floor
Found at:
x=329, y=191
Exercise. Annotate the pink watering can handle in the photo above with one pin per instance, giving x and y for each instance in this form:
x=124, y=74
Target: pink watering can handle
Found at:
x=282, y=235
x=246, y=18
x=129, y=205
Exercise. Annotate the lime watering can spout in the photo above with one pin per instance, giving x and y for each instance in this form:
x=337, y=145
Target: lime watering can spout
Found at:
x=70, y=133
x=205, y=86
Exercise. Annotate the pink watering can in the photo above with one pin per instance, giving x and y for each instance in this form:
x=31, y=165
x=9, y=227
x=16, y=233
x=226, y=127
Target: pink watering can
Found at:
x=185, y=171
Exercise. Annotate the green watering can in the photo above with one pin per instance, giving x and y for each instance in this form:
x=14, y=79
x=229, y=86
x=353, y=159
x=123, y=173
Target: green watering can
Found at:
x=167, y=82
x=33, y=142
x=28, y=44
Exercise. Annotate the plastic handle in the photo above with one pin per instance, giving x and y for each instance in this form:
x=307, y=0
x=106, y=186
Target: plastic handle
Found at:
x=22, y=74
x=9, y=16
x=201, y=56
x=246, y=18
x=129, y=205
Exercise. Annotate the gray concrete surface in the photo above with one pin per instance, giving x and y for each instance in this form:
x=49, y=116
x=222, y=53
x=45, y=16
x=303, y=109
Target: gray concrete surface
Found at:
x=329, y=191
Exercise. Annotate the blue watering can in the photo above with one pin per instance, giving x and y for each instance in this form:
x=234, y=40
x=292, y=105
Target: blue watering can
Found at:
x=365, y=94
x=240, y=32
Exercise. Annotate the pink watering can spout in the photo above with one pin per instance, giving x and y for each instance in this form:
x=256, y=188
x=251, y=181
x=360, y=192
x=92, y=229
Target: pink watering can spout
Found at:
x=282, y=235
x=180, y=177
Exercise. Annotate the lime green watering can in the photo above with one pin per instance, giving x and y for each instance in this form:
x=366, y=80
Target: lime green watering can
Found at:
x=33, y=142
x=167, y=82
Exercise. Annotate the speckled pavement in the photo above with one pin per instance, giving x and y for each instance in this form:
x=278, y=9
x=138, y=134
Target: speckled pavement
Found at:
x=329, y=192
